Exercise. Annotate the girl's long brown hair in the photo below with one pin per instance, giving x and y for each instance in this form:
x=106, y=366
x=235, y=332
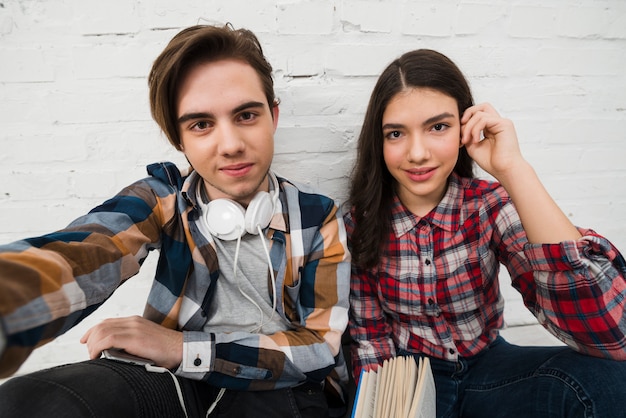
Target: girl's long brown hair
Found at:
x=371, y=184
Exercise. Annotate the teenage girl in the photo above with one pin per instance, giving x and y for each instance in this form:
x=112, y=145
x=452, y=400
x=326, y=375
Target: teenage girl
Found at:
x=428, y=238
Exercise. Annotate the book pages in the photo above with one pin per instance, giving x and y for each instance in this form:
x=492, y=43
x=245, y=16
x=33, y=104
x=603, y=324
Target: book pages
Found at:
x=399, y=388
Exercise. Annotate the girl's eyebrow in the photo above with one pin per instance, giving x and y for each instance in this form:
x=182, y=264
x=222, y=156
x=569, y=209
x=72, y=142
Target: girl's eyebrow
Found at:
x=392, y=126
x=437, y=118
x=429, y=121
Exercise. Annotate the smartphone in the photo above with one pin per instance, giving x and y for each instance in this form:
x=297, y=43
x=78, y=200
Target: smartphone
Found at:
x=121, y=355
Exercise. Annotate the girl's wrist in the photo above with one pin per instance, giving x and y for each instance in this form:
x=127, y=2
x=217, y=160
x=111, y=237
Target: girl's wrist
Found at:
x=520, y=172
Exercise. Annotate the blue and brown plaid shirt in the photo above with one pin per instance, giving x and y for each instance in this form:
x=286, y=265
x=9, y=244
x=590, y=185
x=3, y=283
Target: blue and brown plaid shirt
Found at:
x=49, y=283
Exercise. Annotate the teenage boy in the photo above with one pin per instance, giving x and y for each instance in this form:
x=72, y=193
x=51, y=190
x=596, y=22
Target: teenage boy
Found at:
x=250, y=297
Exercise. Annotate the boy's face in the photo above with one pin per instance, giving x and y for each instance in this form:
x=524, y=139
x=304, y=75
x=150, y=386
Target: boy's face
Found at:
x=227, y=128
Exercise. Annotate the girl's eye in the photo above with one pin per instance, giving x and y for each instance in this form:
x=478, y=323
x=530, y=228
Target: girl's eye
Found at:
x=393, y=134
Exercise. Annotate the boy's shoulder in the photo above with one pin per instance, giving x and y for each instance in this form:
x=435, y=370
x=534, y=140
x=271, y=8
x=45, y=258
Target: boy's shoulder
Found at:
x=309, y=201
x=167, y=172
x=303, y=189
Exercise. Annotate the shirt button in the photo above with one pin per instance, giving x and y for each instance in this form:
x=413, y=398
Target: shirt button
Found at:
x=451, y=351
x=197, y=362
x=431, y=301
x=427, y=262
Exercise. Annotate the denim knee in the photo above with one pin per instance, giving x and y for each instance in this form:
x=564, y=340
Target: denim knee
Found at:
x=545, y=381
x=33, y=396
x=598, y=383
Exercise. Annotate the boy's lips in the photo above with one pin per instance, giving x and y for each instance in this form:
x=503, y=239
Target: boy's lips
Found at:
x=237, y=170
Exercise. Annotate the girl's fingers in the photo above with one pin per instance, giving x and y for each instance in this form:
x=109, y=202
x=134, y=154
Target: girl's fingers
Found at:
x=474, y=127
x=479, y=108
x=480, y=121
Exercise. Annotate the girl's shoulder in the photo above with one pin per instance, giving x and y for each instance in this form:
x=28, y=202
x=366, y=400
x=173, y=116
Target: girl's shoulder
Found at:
x=482, y=192
x=480, y=186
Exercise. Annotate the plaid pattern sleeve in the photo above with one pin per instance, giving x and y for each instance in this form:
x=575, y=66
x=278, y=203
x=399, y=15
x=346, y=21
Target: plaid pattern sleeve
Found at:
x=369, y=326
x=50, y=283
x=436, y=287
x=578, y=293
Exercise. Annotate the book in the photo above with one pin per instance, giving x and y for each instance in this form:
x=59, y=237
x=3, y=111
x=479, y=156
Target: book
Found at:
x=399, y=388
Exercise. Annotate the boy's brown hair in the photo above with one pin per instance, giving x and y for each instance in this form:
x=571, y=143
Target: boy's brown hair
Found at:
x=198, y=45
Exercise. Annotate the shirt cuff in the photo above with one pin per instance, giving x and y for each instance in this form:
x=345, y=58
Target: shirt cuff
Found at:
x=569, y=255
x=564, y=256
x=198, y=352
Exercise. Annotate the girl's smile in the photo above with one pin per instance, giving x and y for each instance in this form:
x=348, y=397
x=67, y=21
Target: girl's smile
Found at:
x=422, y=134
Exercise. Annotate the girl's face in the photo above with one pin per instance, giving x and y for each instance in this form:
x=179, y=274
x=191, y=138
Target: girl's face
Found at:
x=422, y=137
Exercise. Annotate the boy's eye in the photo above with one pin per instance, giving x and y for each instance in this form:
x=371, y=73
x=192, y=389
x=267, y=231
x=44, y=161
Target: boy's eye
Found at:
x=247, y=116
x=200, y=125
x=439, y=127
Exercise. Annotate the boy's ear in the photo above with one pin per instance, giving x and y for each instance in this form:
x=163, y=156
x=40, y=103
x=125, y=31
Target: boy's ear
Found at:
x=275, y=113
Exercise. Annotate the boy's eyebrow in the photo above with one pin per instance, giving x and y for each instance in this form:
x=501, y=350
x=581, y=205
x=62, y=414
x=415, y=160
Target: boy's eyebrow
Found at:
x=247, y=105
x=204, y=115
x=427, y=122
x=190, y=116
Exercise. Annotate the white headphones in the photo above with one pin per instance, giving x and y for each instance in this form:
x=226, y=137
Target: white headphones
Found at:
x=228, y=220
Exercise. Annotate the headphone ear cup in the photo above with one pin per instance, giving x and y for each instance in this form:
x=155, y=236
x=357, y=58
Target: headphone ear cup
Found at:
x=225, y=219
x=259, y=212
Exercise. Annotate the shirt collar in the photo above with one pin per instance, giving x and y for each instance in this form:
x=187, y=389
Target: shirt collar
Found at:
x=192, y=182
x=446, y=215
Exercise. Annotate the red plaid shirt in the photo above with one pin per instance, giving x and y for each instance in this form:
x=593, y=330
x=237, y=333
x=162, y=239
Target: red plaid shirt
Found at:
x=435, y=289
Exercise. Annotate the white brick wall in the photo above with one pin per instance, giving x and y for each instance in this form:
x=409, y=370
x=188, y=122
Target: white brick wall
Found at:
x=75, y=125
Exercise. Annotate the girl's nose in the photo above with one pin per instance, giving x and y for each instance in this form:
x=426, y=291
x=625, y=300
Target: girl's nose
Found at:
x=418, y=149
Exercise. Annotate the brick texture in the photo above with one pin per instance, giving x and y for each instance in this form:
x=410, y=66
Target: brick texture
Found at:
x=76, y=125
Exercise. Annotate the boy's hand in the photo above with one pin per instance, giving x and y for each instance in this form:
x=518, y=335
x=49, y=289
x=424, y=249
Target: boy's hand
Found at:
x=138, y=336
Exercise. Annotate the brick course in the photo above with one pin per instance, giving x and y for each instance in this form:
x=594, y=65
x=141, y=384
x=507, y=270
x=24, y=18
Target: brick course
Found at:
x=76, y=125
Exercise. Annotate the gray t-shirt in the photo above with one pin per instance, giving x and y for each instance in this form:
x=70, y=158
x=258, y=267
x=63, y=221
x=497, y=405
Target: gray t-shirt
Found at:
x=231, y=310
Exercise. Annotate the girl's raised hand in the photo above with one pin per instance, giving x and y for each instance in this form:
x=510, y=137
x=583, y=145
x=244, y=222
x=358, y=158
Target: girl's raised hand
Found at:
x=490, y=140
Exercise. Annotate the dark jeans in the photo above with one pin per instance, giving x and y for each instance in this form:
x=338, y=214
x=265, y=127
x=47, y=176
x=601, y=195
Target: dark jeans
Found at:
x=512, y=381
x=105, y=388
